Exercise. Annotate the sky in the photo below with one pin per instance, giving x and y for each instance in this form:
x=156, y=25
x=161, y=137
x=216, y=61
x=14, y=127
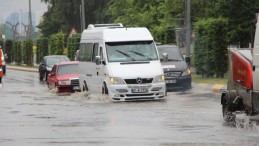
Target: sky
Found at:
x=9, y=6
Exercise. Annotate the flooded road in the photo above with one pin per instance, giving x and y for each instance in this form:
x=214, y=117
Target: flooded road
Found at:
x=31, y=115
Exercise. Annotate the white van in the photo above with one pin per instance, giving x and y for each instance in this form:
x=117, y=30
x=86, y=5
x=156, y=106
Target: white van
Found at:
x=121, y=62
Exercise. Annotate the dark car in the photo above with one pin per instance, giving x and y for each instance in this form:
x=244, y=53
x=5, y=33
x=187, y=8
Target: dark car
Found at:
x=64, y=76
x=47, y=63
x=177, y=74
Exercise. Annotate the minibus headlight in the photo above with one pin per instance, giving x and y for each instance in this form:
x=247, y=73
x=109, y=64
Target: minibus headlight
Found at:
x=116, y=80
x=160, y=78
x=187, y=72
x=64, y=82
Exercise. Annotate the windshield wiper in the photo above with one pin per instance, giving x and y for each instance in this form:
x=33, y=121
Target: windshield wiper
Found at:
x=127, y=55
x=140, y=54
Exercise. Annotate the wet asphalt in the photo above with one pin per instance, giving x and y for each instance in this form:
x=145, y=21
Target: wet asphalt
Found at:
x=32, y=115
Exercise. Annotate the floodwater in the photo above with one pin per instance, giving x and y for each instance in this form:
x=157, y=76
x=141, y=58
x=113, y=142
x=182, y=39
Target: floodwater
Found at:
x=30, y=114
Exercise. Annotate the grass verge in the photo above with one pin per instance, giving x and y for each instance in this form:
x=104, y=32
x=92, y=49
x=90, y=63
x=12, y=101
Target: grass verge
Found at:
x=199, y=79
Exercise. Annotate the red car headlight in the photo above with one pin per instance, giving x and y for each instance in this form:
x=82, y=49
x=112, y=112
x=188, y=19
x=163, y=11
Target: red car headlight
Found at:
x=64, y=82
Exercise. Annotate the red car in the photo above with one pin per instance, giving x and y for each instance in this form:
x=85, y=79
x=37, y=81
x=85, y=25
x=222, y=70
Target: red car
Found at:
x=64, y=76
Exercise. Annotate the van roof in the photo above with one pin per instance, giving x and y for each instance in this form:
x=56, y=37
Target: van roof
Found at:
x=117, y=34
x=103, y=26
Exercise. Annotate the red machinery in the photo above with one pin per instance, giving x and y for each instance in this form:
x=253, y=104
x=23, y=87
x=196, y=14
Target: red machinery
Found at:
x=242, y=92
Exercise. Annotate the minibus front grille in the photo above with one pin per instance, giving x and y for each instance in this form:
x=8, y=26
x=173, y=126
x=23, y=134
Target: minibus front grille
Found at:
x=135, y=81
x=75, y=82
x=173, y=74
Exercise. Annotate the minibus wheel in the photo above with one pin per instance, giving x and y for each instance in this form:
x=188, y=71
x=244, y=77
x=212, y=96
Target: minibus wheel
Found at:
x=85, y=88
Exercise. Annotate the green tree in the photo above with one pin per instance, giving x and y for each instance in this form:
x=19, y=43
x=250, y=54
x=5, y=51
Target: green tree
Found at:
x=240, y=14
x=63, y=15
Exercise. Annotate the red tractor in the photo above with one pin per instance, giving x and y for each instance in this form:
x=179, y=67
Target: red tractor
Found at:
x=242, y=94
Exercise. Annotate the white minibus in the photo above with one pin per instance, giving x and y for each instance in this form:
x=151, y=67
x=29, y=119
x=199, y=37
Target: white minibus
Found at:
x=121, y=62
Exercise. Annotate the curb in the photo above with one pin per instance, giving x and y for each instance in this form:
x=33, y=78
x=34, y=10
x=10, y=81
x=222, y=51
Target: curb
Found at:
x=215, y=88
x=20, y=68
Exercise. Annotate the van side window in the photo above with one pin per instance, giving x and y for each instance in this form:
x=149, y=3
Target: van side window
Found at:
x=95, y=51
x=85, y=53
x=89, y=51
x=82, y=50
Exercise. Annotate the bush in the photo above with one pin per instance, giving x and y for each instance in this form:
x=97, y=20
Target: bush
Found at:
x=17, y=45
x=73, y=45
x=42, y=49
x=28, y=53
x=57, y=44
x=210, y=48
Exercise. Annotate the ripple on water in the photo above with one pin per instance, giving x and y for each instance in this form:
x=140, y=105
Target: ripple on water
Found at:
x=86, y=97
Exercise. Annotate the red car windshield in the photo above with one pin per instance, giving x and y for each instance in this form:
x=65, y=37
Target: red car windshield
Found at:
x=68, y=69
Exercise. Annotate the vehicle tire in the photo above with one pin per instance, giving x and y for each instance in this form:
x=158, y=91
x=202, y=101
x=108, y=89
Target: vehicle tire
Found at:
x=227, y=113
x=0, y=80
x=85, y=88
x=41, y=76
x=46, y=76
x=4, y=69
x=105, y=89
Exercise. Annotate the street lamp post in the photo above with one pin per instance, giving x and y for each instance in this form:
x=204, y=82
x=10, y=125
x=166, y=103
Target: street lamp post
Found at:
x=188, y=30
x=14, y=29
x=83, y=14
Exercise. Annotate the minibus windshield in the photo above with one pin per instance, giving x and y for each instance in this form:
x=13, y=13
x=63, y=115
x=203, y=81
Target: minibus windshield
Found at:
x=131, y=51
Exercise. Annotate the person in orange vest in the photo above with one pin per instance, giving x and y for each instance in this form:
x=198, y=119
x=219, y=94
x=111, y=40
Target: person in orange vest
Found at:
x=1, y=65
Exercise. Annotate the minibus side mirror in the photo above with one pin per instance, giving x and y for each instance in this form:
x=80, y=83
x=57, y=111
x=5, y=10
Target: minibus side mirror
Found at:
x=97, y=60
x=165, y=57
x=187, y=60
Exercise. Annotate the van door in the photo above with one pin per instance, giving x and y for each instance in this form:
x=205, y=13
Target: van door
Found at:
x=100, y=70
x=86, y=66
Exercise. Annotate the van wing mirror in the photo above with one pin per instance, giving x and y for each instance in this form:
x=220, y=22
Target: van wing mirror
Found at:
x=98, y=60
x=187, y=60
x=165, y=57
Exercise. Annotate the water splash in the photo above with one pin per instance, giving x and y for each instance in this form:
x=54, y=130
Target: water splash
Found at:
x=244, y=122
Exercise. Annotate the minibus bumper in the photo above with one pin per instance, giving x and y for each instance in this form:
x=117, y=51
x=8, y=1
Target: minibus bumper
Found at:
x=129, y=92
x=184, y=83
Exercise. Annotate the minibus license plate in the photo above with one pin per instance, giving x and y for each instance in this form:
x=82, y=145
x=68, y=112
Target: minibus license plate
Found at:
x=170, y=81
x=139, y=90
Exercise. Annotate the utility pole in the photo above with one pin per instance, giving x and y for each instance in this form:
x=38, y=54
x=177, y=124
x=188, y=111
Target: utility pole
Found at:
x=83, y=14
x=30, y=21
x=188, y=30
